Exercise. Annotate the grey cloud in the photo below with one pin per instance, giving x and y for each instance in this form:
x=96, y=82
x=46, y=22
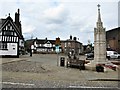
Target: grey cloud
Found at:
x=56, y=15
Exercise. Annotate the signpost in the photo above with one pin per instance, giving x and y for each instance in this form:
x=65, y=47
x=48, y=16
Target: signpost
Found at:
x=57, y=51
x=57, y=45
x=57, y=42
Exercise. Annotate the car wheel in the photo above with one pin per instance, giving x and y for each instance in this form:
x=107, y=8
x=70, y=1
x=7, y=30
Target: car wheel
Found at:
x=118, y=57
x=108, y=57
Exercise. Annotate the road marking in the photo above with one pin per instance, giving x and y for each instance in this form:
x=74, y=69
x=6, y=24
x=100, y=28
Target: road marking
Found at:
x=25, y=84
x=14, y=60
x=89, y=87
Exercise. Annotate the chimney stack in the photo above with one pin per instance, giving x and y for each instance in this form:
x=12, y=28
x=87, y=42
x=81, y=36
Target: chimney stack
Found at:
x=70, y=37
x=17, y=17
x=17, y=20
x=75, y=38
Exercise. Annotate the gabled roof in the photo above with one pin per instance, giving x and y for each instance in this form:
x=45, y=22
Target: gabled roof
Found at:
x=40, y=41
x=43, y=41
x=3, y=23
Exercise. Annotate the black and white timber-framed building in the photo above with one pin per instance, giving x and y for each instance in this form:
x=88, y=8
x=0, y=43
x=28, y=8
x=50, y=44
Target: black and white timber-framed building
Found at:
x=11, y=38
x=42, y=45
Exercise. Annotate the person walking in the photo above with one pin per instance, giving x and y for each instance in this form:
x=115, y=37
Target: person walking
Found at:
x=30, y=52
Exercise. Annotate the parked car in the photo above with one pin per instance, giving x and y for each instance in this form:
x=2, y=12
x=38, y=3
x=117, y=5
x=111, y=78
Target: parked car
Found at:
x=109, y=55
x=113, y=55
x=90, y=55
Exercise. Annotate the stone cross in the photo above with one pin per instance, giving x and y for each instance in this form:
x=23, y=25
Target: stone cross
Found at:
x=99, y=41
x=98, y=6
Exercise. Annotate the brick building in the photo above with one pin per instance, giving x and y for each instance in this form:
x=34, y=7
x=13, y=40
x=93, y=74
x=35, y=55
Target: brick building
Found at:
x=113, y=39
x=72, y=45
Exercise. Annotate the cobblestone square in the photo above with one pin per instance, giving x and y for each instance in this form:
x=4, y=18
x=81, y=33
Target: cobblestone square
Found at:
x=41, y=71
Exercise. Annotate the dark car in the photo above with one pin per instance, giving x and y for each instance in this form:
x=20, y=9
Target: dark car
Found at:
x=90, y=55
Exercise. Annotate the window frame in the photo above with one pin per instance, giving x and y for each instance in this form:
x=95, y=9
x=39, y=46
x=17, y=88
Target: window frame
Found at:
x=3, y=46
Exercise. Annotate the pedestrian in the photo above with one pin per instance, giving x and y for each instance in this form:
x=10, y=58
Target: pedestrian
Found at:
x=69, y=55
x=74, y=56
x=30, y=52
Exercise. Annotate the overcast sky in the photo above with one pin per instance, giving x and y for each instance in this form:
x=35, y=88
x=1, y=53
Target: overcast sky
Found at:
x=61, y=18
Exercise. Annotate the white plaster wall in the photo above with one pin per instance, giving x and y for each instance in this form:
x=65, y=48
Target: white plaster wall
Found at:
x=12, y=49
x=47, y=45
x=32, y=46
x=35, y=44
x=21, y=42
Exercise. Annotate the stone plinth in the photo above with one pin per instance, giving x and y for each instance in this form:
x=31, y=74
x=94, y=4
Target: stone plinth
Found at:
x=92, y=65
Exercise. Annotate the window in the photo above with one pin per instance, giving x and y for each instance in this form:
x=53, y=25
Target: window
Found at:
x=65, y=45
x=115, y=53
x=69, y=44
x=15, y=34
x=40, y=45
x=11, y=28
x=0, y=33
x=3, y=46
x=8, y=33
x=48, y=45
x=0, y=38
x=8, y=27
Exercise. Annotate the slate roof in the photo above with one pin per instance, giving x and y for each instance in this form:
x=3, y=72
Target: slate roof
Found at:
x=43, y=41
x=69, y=40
